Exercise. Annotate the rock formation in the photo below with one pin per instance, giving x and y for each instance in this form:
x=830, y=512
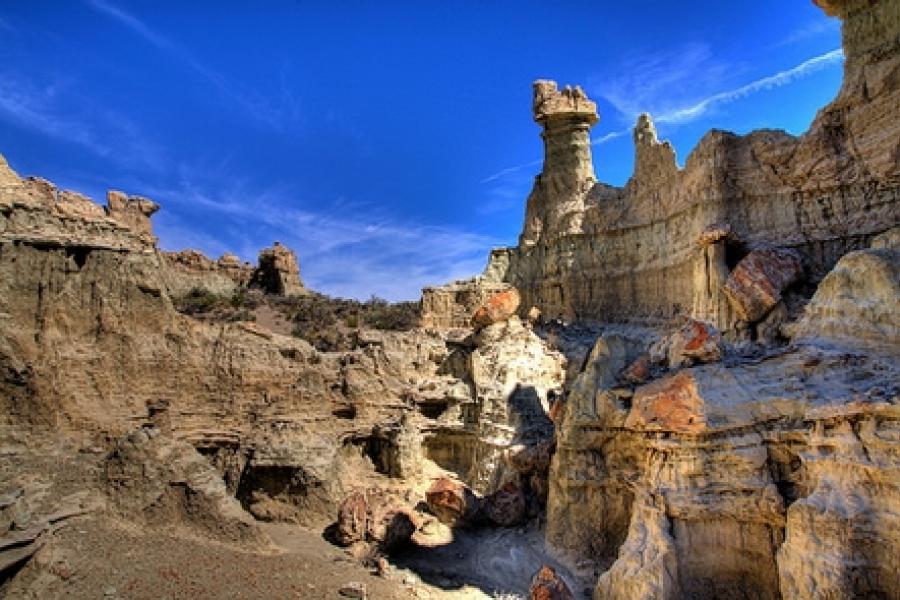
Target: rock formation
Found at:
x=702, y=403
x=278, y=272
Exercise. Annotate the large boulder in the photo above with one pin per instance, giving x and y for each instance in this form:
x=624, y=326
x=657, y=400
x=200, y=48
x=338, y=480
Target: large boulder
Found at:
x=548, y=585
x=452, y=502
x=859, y=300
x=497, y=308
x=506, y=506
x=695, y=342
x=353, y=519
x=755, y=285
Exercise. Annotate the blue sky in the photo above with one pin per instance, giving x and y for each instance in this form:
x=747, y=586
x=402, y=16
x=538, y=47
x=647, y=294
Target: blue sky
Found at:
x=389, y=143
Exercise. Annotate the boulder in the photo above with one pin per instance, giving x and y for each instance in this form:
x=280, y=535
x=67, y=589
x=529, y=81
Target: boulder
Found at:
x=506, y=506
x=858, y=301
x=696, y=342
x=670, y=404
x=548, y=585
x=530, y=459
x=755, y=285
x=452, y=502
x=353, y=521
x=497, y=308
x=638, y=371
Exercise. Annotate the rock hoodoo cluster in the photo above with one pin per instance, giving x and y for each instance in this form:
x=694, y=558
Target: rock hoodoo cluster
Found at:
x=686, y=387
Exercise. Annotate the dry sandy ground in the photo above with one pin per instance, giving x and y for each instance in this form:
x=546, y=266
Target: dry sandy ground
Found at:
x=102, y=556
x=93, y=557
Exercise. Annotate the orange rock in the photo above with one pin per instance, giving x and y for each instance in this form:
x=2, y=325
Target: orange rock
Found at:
x=548, y=585
x=638, y=371
x=497, y=308
x=557, y=410
x=452, y=502
x=352, y=519
x=670, y=404
x=695, y=342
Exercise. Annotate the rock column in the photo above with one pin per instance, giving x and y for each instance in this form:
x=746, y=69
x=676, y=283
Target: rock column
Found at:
x=556, y=204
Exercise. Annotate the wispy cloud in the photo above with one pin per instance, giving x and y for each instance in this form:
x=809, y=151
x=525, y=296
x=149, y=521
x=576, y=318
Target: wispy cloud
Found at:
x=510, y=170
x=346, y=249
x=653, y=82
x=698, y=109
x=811, y=30
x=5, y=25
x=515, y=170
x=253, y=103
x=58, y=111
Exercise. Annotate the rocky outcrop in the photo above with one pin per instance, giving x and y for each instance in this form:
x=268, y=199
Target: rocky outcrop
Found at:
x=278, y=272
x=557, y=202
x=189, y=270
x=593, y=251
x=686, y=485
x=858, y=301
x=164, y=482
x=452, y=306
x=497, y=308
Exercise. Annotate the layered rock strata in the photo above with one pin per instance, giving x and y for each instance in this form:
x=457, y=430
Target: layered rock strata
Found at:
x=589, y=250
x=91, y=347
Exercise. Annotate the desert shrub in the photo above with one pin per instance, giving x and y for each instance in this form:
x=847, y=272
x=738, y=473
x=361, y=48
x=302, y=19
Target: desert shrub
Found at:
x=202, y=303
x=329, y=323
x=199, y=301
x=396, y=316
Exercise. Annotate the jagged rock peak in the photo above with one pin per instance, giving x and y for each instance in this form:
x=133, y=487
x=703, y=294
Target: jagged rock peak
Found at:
x=278, y=271
x=550, y=103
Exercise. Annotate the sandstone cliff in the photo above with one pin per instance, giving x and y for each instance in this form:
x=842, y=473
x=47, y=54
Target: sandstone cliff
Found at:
x=592, y=251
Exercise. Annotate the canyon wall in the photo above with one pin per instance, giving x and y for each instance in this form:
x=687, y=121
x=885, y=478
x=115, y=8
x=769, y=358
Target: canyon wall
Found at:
x=594, y=251
x=91, y=347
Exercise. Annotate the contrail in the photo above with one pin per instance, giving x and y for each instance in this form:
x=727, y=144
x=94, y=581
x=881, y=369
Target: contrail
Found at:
x=690, y=113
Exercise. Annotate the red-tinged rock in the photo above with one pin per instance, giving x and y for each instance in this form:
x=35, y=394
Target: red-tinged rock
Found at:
x=452, y=502
x=506, y=506
x=557, y=410
x=670, y=404
x=714, y=233
x=497, y=308
x=638, y=371
x=548, y=585
x=531, y=459
x=696, y=342
x=755, y=285
x=352, y=522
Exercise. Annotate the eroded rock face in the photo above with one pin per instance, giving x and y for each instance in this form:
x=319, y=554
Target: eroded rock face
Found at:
x=859, y=300
x=591, y=250
x=163, y=482
x=278, y=272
